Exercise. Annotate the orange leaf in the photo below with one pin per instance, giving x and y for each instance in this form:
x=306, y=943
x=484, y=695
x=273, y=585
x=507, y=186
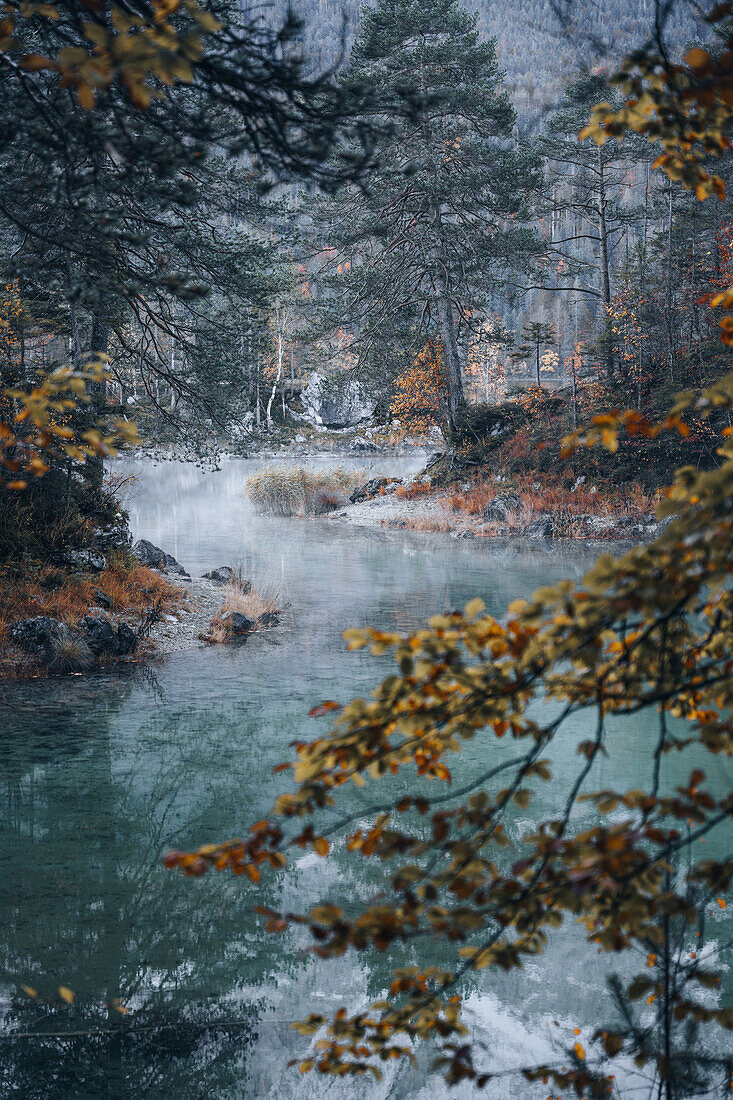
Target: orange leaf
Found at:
x=324, y=708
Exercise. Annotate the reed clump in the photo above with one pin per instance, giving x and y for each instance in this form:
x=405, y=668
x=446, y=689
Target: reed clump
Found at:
x=260, y=608
x=296, y=491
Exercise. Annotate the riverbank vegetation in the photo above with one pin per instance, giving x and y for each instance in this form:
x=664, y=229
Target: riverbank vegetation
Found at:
x=296, y=491
x=124, y=590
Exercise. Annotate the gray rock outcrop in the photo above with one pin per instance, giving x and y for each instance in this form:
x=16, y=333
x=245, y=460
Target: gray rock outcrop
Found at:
x=155, y=558
x=541, y=527
x=87, y=560
x=225, y=575
x=497, y=510
x=36, y=636
x=336, y=403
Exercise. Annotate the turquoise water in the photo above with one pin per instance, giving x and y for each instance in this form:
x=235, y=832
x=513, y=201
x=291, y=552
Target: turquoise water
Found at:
x=99, y=775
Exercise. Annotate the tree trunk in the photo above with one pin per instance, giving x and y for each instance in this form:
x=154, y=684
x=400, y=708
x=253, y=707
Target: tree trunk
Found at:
x=98, y=347
x=98, y=393
x=454, y=379
x=607, y=336
x=278, y=376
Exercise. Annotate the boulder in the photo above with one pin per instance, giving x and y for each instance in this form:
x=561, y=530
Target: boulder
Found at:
x=593, y=526
x=269, y=618
x=126, y=640
x=156, y=558
x=224, y=575
x=102, y=599
x=336, y=402
x=369, y=489
x=500, y=506
x=112, y=538
x=237, y=624
x=541, y=527
x=99, y=635
x=87, y=560
x=37, y=635
x=360, y=445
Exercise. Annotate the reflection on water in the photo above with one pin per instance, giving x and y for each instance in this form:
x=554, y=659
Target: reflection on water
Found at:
x=101, y=774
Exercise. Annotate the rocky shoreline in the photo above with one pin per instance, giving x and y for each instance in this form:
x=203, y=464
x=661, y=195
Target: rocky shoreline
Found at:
x=42, y=645
x=390, y=503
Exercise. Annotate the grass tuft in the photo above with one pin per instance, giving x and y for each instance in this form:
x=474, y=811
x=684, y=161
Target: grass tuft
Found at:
x=247, y=602
x=295, y=491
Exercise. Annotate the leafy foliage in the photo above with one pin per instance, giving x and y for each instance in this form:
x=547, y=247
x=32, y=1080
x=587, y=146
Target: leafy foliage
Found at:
x=420, y=392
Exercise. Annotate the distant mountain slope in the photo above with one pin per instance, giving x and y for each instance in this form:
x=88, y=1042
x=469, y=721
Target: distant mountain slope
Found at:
x=534, y=49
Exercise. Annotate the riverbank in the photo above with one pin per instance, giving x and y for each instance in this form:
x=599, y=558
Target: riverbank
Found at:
x=65, y=621
x=495, y=509
x=80, y=612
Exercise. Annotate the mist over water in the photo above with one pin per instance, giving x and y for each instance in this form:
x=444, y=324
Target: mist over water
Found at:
x=101, y=774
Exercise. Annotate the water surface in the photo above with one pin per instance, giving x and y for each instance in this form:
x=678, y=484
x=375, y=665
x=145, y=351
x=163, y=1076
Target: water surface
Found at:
x=101, y=774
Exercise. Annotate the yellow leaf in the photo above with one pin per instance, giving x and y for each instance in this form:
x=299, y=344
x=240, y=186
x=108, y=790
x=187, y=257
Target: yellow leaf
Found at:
x=474, y=608
x=579, y=1051
x=29, y=990
x=66, y=994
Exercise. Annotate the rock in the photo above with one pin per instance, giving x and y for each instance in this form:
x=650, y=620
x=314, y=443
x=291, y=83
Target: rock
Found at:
x=102, y=599
x=336, y=402
x=500, y=506
x=269, y=618
x=88, y=560
x=37, y=635
x=300, y=439
x=224, y=575
x=541, y=527
x=112, y=538
x=646, y=527
x=99, y=635
x=155, y=558
x=369, y=489
x=237, y=624
x=593, y=526
x=126, y=640
x=360, y=445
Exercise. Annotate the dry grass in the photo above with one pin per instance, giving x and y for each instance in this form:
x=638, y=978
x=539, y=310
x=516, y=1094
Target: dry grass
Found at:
x=26, y=593
x=550, y=496
x=415, y=491
x=295, y=491
x=566, y=507
x=421, y=523
x=245, y=601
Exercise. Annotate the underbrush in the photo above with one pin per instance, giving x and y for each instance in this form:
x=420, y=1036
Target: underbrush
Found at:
x=295, y=491
x=565, y=504
x=125, y=587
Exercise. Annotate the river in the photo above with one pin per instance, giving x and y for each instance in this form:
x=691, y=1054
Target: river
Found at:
x=101, y=774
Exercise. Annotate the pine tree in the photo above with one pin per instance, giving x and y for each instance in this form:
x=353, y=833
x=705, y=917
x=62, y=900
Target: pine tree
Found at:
x=445, y=213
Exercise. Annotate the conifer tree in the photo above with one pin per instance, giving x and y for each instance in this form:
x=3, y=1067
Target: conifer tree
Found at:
x=445, y=212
